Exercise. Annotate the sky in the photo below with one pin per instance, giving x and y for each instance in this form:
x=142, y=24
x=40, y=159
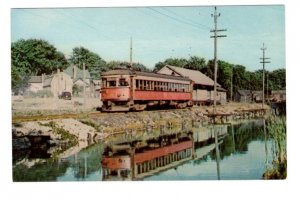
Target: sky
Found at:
x=159, y=32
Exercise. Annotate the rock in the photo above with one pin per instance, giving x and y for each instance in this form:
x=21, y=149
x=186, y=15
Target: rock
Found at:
x=34, y=133
x=21, y=143
x=53, y=142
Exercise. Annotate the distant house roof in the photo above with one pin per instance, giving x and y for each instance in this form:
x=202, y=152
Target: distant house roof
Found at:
x=48, y=78
x=96, y=82
x=35, y=79
x=257, y=92
x=194, y=75
x=79, y=81
x=79, y=72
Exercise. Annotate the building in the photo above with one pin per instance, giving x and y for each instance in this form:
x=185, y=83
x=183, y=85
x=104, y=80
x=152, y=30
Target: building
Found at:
x=95, y=88
x=257, y=96
x=203, y=86
x=65, y=81
x=243, y=96
x=278, y=96
x=249, y=96
x=35, y=83
x=81, y=78
x=58, y=83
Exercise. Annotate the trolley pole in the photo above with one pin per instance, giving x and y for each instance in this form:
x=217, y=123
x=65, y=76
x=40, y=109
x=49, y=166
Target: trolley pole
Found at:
x=263, y=61
x=130, y=52
x=216, y=36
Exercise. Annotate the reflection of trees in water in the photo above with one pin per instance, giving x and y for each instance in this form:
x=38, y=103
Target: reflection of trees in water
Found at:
x=84, y=163
x=87, y=161
x=238, y=140
x=46, y=171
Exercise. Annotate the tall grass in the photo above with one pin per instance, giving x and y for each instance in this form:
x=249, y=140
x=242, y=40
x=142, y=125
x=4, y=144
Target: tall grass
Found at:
x=276, y=128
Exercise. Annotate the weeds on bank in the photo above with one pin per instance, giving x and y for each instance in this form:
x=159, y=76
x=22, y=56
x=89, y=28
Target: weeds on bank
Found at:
x=276, y=127
x=71, y=139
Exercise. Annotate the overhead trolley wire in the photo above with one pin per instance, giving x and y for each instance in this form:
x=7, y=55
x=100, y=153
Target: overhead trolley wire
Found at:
x=83, y=22
x=186, y=19
x=176, y=19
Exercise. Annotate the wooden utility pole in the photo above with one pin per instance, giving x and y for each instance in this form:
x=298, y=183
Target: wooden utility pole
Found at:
x=215, y=36
x=84, y=100
x=263, y=61
x=268, y=87
x=231, y=86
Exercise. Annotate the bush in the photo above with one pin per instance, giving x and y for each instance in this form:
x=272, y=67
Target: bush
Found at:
x=40, y=94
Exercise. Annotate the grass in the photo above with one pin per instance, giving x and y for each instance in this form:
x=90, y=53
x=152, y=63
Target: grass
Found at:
x=276, y=127
x=87, y=121
x=71, y=139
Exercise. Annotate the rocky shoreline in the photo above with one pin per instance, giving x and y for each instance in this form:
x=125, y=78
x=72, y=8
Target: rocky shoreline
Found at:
x=81, y=132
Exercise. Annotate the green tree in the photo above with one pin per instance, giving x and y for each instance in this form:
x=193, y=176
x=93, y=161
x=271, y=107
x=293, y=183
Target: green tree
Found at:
x=33, y=57
x=240, y=78
x=277, y=79
x=36, y=57
x=195, y=63
x=178, y=62
x=93, y=62
x=224, y=75
x=125, y=64
x=208, y=70
x=19, y=79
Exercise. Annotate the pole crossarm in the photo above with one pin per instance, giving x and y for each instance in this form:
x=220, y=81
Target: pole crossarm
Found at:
x=218, y=36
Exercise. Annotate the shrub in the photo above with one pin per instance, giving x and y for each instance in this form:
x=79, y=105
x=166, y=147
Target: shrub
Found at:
x=41, y=94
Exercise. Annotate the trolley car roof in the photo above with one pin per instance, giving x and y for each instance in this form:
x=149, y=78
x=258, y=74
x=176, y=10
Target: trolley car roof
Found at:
x=140, y=73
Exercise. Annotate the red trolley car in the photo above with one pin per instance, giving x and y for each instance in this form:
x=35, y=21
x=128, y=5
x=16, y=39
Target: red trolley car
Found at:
x=126, y=89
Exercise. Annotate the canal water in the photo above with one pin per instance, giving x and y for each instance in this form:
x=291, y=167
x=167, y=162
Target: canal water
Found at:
x=241, y=151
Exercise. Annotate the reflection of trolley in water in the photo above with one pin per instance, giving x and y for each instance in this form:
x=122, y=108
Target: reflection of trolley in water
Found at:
x=133, y=161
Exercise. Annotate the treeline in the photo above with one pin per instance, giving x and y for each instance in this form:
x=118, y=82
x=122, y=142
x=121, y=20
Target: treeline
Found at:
x=36, y=56
x=241, y=78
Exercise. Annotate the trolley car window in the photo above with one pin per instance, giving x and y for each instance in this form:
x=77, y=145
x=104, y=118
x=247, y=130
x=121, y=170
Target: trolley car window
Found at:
x=111, y=83
x=123, y=82
x=137, y=84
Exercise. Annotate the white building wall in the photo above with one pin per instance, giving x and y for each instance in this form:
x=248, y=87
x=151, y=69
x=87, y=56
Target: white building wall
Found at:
x=61, y=82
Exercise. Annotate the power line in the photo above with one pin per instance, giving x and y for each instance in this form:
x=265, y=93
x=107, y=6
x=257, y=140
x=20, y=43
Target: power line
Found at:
x=83, y=22
x=152, y=15
x=69, y=16
x=175, y=19
x=186, y=19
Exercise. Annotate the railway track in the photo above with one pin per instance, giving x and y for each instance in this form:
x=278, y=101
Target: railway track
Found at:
x=18, y=119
